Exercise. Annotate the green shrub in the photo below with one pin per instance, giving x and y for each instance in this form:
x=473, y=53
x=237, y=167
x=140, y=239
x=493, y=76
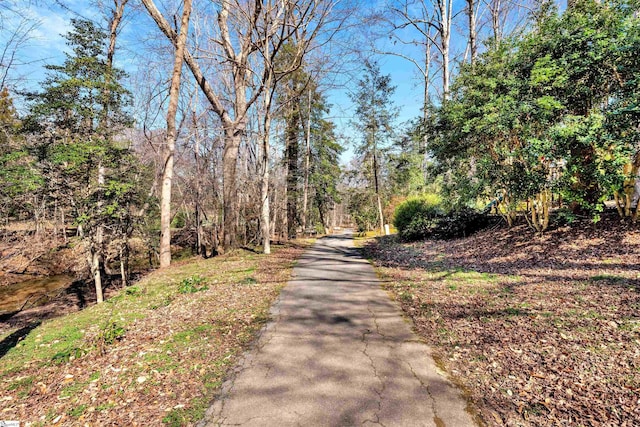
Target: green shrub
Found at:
x=420, y=218
x=191, y=285
x=110, y=333
x=415, y=218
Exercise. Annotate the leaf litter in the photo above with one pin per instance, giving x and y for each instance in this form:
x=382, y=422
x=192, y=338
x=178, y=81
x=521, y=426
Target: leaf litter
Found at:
x=538, y=330
x=149, y=356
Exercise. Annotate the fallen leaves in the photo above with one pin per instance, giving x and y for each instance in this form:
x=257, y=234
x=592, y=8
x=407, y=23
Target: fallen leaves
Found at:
x=173, y=357
x=539, y=330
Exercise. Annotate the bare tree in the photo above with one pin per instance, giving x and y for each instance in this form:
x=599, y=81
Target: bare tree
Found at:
x=411, y=24
x=301, y=25
x=442, y=24
x=504, y=17
x=428, y=23
x=16, y=29
x=411, y=27
x=242, y=27
x=9, y=51
x=472, y=20
x=431, y=20
x=174, y=92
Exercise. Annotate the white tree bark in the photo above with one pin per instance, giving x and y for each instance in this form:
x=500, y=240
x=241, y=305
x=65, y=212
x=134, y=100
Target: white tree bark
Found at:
x=170, y=141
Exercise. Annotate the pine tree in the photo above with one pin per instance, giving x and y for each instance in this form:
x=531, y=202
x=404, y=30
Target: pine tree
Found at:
x=74, y=121
x=325, y=168
x=375, y=114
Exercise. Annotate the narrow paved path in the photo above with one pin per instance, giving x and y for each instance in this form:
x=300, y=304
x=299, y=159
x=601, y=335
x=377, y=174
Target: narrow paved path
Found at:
x=338, y=353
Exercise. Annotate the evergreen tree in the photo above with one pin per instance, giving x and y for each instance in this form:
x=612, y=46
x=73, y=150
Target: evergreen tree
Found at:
x=18, y=177
x=325, y=168
x=74, y=121
x=552, y=112
x=405, y=162
x=293, y=105
x=375, y=115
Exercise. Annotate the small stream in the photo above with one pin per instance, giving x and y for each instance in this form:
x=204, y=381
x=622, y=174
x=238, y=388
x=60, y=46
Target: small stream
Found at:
x=33, y=292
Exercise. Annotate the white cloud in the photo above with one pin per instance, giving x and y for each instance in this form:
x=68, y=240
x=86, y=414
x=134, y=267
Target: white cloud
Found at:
x=52, y=26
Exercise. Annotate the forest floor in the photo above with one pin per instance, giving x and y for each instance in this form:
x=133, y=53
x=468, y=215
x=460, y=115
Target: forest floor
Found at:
x=153, y=354
x=538, y=330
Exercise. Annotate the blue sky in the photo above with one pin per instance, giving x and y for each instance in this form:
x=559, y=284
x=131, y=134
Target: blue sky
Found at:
x=47, y=46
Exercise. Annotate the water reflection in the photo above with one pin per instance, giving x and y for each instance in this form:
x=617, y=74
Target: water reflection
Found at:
x=31, y=293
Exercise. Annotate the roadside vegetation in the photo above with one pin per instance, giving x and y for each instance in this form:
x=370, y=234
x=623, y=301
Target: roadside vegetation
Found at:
x=517, y=256
x=536, y=329
x=152, y=354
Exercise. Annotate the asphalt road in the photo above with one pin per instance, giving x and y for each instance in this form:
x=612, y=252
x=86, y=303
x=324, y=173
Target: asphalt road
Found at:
x=337, y=353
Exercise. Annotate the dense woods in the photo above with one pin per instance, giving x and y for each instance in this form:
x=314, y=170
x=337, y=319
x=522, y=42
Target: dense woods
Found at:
x=540, y=122
x=548, y=119
x=528, y=111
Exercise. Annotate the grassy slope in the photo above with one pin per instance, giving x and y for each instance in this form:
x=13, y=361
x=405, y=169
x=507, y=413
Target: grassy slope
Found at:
x=152, y=355
x=538, y=330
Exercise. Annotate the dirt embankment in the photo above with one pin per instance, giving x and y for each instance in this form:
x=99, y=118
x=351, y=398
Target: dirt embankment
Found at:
x=40, y=277
x=24, y=256
x=43, y=276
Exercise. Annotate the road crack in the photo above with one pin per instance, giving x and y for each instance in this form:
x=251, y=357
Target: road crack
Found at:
x=425, y=386
x=383, y=385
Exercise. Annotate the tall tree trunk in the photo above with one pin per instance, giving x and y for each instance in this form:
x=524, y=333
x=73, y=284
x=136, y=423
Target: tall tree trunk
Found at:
x=167, y=171
x=426, y=97
x=377, y=188
x=494, y=9
x=231, y=211
x=274, y=209
x=444, y=28
x=200, y=249
x=426, y=103
x=116, y=19
x=307, y=158
x=293, y=126
x=97, y=246
x=265, y=220
x=473, y=35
